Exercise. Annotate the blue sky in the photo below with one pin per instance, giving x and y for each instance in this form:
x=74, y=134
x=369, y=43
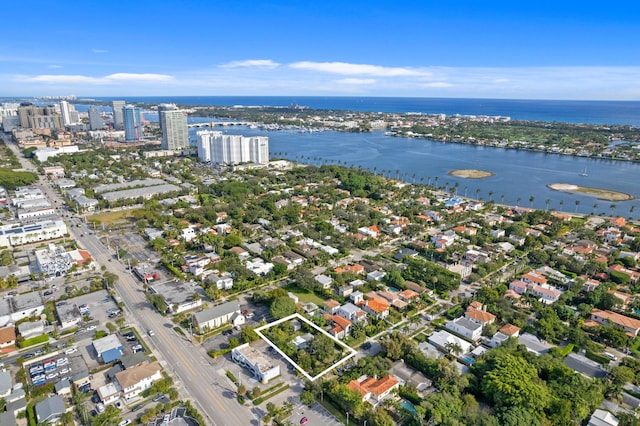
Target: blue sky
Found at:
x=481, y=49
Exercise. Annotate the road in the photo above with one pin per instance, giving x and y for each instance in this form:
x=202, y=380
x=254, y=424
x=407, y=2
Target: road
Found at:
x=198, y=376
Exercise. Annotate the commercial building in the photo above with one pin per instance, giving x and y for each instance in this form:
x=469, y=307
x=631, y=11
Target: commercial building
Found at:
x=263, y=368
x=15, y=235
x=118, y=120
x=19, y=307
x=173, y=123
x=226, y=313
x=133, y=123
x=34, y=117
x=215, y=147
x=108, y=348
x=95, y=119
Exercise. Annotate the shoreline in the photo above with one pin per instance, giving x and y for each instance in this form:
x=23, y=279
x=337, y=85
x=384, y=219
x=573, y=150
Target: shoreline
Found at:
x=601, y=194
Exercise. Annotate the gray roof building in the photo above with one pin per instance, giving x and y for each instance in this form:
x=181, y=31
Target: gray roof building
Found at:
x=50, y=410
x=218, y=315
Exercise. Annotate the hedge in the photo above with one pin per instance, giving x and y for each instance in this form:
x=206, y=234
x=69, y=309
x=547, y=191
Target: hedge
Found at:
x=34, y=341
x=260, y=400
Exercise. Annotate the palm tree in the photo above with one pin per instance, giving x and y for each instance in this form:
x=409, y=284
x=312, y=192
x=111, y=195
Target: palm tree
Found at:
x=491, y=196
x=518, y=201
x=453, y=348
x=561, y=204
x=531, y=200
x=577, y=204
x=477, y=193
x=613, y=208
x=547, y=202
x=595, y=207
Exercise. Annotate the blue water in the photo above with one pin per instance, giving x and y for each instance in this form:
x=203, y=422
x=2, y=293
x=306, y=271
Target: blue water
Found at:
x=468, y=359
x=407, y=405
x=592, y=112
x=393, y=290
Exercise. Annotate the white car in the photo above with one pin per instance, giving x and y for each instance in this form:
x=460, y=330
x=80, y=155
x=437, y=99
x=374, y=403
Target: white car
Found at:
x=70, y=351
x=52, y=376
x=62, y=361
x=151, y=333
x=91, y=328
x=124, y=422
x=64, y=371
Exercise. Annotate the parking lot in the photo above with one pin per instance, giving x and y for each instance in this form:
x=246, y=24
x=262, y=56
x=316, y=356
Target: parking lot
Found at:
x=58, y=365
x=316, y=414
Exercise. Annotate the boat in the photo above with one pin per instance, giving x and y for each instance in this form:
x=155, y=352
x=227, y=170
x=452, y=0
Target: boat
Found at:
x=584, y=172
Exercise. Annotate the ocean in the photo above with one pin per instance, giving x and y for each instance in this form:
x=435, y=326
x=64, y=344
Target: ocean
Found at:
x=588, y=112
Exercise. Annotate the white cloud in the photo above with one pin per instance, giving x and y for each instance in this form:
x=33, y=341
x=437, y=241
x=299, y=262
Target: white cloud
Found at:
x=357, y=81
x=346, y=68
x=55, y=66
x=99, y=50
x=437, y=85
x=83, y=79
x=251, y=63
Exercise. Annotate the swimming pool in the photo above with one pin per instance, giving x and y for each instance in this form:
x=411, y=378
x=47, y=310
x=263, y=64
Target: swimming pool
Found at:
x=408, y=406
x=467, y=359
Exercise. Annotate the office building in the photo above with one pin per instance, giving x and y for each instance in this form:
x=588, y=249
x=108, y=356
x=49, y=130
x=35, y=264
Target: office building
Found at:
x=215, y=147
x=34, y=117
x=95, y=119
x=173, y=123
x=133, y=122
x=118, y=120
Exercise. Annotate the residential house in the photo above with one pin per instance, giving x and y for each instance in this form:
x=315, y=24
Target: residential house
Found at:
x=376, y=308
x=324, y=281
x=630, y=325
x=196, y=264
x=341, y=327
x=221, y=282
x=110, y=393
x=373, y=390
x=351, y=312
x=356, y=297
x=330, y=306
x=7, y=336
x=50, y=410
x=138, y=379
x=63, y=387
x=625, y=298
x=408, y=295
x=240, y=252
x=466, y=328
x=376, y=275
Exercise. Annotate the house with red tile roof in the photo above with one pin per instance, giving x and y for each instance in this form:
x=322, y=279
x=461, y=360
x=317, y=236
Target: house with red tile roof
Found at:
x=330, y=306
x=374, y=391
x=408, y=295
x=633, y=275
x=480, y=316
x=625, y=298
x=7, y=337
x=341, y=327
x=630, y=325
x=376, y=308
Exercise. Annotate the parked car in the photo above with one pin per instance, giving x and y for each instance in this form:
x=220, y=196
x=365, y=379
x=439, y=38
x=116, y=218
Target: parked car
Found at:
x=91, y=328
x=125, y=422
x=303, y=420
x=70, y=351
x=100, y=407
x=151, y=333
x=158, y=397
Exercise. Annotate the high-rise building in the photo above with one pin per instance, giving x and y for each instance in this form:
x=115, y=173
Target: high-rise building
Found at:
x=34, y=117
x=118, y=120
x=95, y=118
x=65, y=112
x=173, y=123
x=215, y=147
x=133, y=122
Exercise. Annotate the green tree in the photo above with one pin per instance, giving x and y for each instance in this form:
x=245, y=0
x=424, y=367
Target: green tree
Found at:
x=513, y=382
x=110, y=416
x=281, y=307
x=111, y=327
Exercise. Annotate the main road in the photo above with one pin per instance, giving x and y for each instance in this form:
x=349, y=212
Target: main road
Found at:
x=199, y=377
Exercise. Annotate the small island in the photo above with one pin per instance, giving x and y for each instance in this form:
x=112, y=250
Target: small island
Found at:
x=470, y=173
x=602, y=194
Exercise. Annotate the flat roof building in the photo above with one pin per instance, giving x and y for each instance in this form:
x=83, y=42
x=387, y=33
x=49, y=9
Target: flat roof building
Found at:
x=263, y=368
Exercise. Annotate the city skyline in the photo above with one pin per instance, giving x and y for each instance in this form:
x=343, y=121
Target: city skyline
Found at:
x=528, y=50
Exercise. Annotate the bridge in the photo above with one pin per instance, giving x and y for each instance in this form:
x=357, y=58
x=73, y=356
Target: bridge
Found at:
x=220, y=124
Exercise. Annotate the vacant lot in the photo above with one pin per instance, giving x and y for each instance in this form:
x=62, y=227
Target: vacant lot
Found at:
x=304, y=296
x=110, y=218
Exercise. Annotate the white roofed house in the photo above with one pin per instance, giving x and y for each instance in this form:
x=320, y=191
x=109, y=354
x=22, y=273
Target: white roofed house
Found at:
x=221, y=282
x=324, y=280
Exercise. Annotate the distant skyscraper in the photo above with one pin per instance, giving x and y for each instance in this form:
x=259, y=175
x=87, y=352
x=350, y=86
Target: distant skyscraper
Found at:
x=118, y=120
x=65, y=112
x=132, y=123
x=215, y=147
x=95, y=119
x=173, y=124
x=34, y=117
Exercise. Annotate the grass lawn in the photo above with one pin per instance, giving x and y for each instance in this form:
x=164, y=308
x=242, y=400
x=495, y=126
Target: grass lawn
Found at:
x=109, y=218
x=635, y=346
x=305, y=296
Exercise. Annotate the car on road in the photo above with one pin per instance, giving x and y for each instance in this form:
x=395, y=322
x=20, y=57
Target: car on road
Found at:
x=70, y=351
x=136, y=408
x=158, y=397
x=151, y=333
x=48, y=293
x=91, y=327
x=304, y=420
x=125, y=422
x=27, y=356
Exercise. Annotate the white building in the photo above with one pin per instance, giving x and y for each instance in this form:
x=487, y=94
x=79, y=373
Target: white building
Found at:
x=263, y=368
x=215, y=147
x=53, y=261
x=465, y=327
x=134, y=380
x=173, y=123
x=217, y=316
